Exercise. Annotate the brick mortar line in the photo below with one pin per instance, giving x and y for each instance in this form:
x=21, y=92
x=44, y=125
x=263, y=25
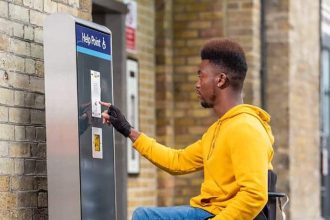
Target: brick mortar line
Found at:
x=22, y=56
x=23, y=73
x=70, y=6
x=43, y=10
x=18, y=21
x=23, y=208
x=18, y=175
x=23, y=39
x=28, y=190
x=22, y=124
x=25, y=6
x=26, y=142
x=29, y=175
x=21, y=90
x=22, y=107
x=18, y=89
x=25, y=158
x=20, y=38
x=39, y=175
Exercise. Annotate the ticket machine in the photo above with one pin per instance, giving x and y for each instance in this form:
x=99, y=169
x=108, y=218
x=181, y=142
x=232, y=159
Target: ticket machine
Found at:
x=80, y=149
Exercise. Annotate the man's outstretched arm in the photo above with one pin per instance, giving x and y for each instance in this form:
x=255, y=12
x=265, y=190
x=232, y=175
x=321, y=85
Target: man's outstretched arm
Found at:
x=173, y=161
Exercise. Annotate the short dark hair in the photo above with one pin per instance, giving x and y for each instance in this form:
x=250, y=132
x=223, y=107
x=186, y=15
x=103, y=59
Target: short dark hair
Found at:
x=229, y=56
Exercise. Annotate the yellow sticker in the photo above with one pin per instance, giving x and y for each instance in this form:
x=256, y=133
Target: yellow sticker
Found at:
x=97, y=143
x=97, y=146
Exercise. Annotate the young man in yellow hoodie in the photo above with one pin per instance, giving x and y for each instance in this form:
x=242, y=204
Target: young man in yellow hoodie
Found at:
x=235, y=152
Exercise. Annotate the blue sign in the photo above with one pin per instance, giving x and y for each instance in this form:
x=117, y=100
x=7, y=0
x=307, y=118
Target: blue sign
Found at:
x=92, y=42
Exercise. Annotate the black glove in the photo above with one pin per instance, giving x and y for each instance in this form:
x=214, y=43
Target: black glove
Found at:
x=119, y=121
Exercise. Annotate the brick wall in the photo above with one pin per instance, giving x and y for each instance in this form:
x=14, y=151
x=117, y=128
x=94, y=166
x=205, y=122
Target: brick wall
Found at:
x=241, y=22
x=142, y=189
x=23, y=181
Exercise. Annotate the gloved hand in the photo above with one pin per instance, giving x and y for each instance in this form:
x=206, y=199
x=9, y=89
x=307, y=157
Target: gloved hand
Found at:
x=118, y=121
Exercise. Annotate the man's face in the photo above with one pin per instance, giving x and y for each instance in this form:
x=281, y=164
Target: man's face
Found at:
x=206, y=83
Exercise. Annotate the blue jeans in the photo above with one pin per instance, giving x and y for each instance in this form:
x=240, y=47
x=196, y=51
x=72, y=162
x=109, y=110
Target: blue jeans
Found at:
x=171, y=213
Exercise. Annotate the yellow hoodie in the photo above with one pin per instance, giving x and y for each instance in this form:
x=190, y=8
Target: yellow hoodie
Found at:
x=235, y=154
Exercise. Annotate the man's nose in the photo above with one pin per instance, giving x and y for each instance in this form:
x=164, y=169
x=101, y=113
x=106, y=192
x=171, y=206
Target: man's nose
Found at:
x=197, y=84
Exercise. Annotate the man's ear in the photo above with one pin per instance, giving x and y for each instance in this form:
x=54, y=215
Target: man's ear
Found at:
x=222, y=81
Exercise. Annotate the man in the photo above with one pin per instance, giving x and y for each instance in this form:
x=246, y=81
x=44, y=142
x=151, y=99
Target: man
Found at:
x=235, y=152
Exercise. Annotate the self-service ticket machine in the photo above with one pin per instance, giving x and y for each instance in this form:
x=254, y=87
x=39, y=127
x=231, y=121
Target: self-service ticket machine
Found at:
x=80, y=149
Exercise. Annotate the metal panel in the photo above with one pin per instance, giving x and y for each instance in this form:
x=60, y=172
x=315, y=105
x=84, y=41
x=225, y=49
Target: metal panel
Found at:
x=61, y=118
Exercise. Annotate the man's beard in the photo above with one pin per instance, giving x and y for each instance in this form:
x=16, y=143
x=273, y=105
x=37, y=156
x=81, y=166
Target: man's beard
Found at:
x=205, y=104
x=209, y=104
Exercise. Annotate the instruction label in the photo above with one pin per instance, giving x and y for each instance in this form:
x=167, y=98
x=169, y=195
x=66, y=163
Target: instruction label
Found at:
x=96, y=93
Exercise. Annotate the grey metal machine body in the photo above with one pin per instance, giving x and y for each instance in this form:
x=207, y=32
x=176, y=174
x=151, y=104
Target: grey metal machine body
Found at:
x=80, y=149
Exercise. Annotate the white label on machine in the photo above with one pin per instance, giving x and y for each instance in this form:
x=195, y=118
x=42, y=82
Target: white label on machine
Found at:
x=96, y=93
x=97, y=143
x=133, y=159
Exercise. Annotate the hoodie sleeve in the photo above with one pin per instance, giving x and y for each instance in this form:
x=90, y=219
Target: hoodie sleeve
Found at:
x=174, y=161
x=249, y=145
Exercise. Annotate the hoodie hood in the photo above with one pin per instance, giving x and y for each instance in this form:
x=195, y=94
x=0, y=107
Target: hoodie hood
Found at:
x=254, y=111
